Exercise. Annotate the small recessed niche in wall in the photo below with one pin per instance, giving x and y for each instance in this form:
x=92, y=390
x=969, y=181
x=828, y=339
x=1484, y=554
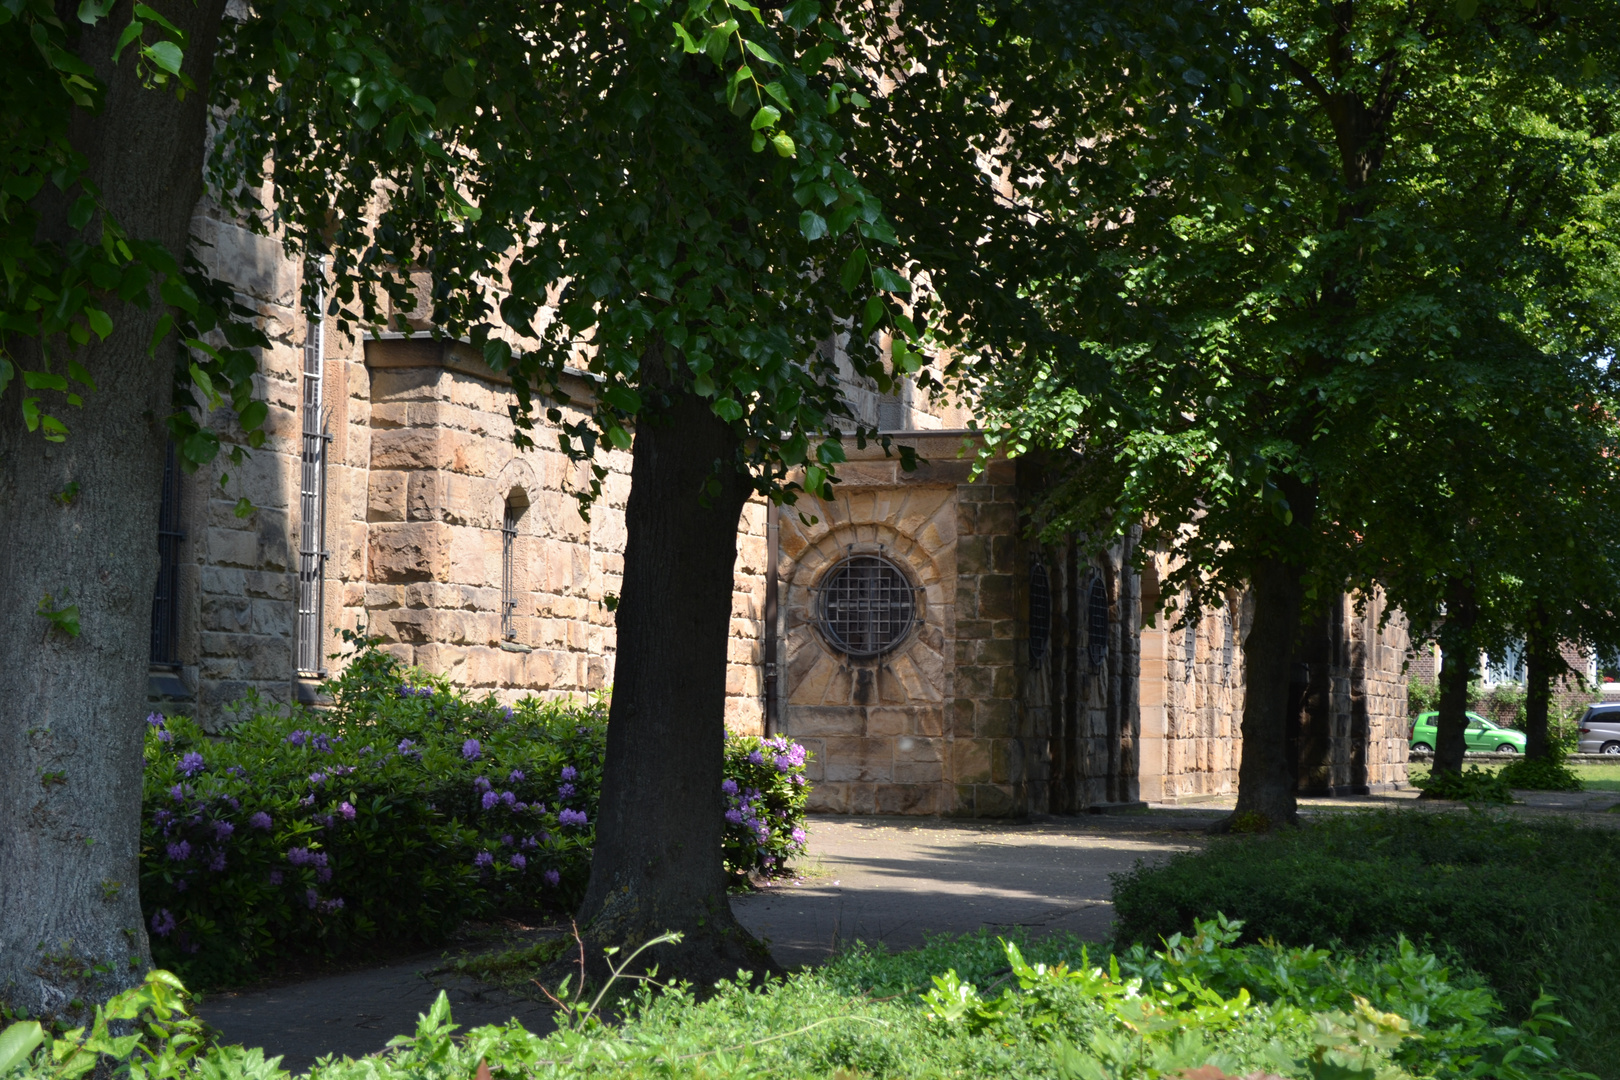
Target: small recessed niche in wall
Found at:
x=865, y=606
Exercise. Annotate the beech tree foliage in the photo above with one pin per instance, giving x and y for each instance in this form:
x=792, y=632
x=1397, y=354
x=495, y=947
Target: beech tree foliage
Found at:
x=1238, y=249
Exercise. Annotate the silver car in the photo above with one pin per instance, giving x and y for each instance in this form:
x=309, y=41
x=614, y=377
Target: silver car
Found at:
x=1600, y=730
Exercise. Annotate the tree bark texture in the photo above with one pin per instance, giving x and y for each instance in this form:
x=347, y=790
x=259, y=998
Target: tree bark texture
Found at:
x=72, y=708
x=1266, y=785
x=657, y=863
x=1458, y=658
x=1540, y=665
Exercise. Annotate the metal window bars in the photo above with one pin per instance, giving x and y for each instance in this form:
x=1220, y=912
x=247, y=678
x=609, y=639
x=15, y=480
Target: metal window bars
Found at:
x=165, y=650
x=509, y=522
x=312, y=553
x=1097, y=621
x=1040, y=610
x=865, y=606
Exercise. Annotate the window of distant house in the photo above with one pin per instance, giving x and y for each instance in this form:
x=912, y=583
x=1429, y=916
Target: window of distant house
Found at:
x=513, y=511
x=312, y=553
x=165, y=607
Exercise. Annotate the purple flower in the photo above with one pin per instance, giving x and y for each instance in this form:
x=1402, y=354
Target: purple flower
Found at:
x=217, y=864
x=798, y=836
x=515, y=777
x=481, y=784
x=407, y=748
x=506, y=841
x=424, y=691
x=571, y=817
x=275, y=877
x=300, y=856
x=163, y=922
x=757, y=758
x=322, y=743
x=307, y=800
x=162, y=817
x=342, y=770
x=529, y=844
x=317, y=778
x=260, y=820
x=728, y=786
x=179, y=851
x=471, y=750
x=312, y=898
x=734, y=816
x=364, y=750
x=519, y=861
x=164, y=736
x=483, y=859
x=798, y=780
x=236, y=770
x=155, y=719
x=223, y=830
x=552, y=878
x=509, y=799
x=508, y=711
x=181, y=884
x=566, y=791
x=334, y=904
x=490, y=800
x=298, y=738
x=323, y=874
x=347, y=811
x=570, y=773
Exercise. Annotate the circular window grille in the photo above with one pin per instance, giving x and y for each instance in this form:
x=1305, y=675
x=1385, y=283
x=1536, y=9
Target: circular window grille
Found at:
x=866, y=606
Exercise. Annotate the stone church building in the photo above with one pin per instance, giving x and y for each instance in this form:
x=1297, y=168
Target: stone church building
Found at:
x=933, y=659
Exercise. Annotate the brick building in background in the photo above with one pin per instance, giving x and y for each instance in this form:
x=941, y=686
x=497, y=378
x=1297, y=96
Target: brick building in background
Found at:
x=934, y=659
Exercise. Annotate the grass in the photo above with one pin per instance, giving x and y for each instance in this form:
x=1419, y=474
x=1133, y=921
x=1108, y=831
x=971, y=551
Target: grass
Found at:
x=1595, y=777
x=1530, y=905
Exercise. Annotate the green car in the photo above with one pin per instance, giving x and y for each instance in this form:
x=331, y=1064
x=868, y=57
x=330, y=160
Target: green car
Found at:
x=1483, y=736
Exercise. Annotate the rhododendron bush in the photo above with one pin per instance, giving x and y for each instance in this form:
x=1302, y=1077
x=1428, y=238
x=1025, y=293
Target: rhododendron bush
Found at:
x=404, y=809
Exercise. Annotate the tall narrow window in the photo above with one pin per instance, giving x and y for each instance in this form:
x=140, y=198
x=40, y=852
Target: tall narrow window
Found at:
x=312, y=551
x=165, y=606
x=509, y=532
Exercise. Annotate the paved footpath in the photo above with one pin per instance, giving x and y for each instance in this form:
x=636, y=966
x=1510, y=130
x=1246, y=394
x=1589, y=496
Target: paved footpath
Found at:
x=890, y=880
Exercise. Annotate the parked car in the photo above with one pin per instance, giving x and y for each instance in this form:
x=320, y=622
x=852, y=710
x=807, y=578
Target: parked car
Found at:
x=1483, y=736
x=1600, y=730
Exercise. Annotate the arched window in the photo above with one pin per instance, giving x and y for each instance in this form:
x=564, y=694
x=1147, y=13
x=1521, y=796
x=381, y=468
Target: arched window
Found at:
x=1097, y=621
x=312, y=551
x=511, y=513
x=1040, y=610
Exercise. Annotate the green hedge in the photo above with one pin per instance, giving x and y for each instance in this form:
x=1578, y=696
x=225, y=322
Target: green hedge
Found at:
x=1531, y=906
x=400, y=812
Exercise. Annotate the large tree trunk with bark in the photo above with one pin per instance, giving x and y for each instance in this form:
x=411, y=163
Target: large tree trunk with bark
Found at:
x=657, y=864
x=1541, y=662
x=1267, y=795
x=1458, y=659
x=72, y=708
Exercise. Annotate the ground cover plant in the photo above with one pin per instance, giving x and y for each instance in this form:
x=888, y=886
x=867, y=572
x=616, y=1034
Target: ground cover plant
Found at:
x=1529, y=905
x=970, y=1006
x=405, y=809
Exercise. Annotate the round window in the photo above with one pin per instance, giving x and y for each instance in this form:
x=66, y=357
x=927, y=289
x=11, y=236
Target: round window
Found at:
x=865, y=606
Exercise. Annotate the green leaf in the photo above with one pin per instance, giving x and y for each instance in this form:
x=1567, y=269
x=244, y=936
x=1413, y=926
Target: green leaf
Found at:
x=30, y=410
x=801, y=13
x=7, y=372
x=854, y=266
x=90, y=13
x=765, y=117
x=79, y=374
x=21, y=1039
x=166, y=55
x=254, y=416
x=873, y=314
x=100, y=322
x=761, y=52
x=131, y=33
x=206, y=385
x=1466, y=9
x=178, y=294
x=812, y=225
x=618, y=437
x=44, y=380
x=783, y=144
x=244, y=507
x=889, y=281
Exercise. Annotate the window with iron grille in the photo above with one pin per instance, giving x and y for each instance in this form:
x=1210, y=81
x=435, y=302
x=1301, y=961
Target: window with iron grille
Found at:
x=312, y=553
x=509, y=532
x=1230, y=643
x=1097, y=621
x=865, y=606
x=1040, y=611
x=165, y=600
x=1191, y=643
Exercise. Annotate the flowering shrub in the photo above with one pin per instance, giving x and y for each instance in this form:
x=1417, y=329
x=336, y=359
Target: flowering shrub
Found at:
x=764, y=792
x=403, y=810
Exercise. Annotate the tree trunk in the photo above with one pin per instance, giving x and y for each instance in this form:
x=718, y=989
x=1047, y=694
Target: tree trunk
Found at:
x=1458, y=658
x=1266, y=786
x=657, y=863
x=1540, y=664
x=72, y=708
